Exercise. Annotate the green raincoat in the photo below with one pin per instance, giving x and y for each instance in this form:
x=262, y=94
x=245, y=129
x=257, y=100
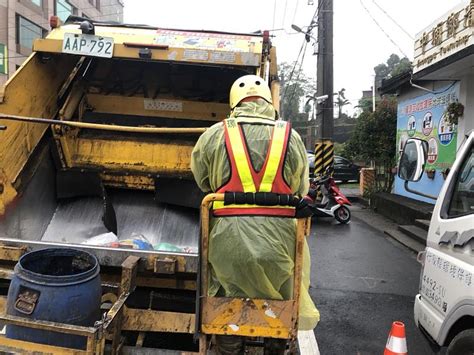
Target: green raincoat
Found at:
x=253, y=256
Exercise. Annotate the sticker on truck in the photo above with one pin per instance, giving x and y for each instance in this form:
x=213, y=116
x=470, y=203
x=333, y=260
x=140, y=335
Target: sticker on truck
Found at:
x=163, y=105
x=442, y=280
x=435, y=292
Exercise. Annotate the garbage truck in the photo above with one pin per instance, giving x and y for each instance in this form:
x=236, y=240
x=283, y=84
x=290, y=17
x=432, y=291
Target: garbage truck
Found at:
x=96, y=132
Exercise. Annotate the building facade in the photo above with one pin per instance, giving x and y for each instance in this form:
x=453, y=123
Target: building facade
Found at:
x=22, y=21
x=442, y=81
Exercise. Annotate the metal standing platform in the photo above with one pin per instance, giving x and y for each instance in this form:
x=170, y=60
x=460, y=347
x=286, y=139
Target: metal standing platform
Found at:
x=256, y=318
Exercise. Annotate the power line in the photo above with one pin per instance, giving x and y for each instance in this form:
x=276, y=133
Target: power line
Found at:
x=316, y=13
x=313, y=24
x=284, y=14
x=294, y=67
x=305, y=43
x=274, y=13
x=391, y=18
x=299, y=73
x=294, y=13
x=303, y=46
x=379, y=26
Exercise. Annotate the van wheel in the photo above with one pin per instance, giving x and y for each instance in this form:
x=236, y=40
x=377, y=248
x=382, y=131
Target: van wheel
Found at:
x=462, y=344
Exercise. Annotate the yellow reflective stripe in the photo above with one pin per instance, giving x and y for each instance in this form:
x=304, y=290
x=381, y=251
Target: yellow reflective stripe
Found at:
x=254, y=120
x=240, y=157
x=220, y=205
x=275, y=155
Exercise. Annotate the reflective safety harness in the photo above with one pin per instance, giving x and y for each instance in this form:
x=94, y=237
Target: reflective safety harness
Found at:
x=244, y=178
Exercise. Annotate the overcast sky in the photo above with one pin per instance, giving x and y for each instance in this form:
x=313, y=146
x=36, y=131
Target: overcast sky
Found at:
x=359, y=44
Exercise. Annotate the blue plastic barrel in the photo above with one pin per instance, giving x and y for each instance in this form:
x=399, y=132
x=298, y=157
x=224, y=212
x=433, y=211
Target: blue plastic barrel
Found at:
x=56, y=285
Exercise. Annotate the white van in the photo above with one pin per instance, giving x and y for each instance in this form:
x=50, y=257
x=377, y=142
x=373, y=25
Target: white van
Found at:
x=444, y=308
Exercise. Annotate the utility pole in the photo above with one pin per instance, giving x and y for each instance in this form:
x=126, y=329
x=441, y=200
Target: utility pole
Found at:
x=324, y=149
x=373, y=94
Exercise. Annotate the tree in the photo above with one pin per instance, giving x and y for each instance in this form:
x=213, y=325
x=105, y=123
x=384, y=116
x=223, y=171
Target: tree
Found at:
x=341, y=101
x=381, y=72
x=373, y=140
x=295, y=86
x=365, y=104
x=402, y=67
x=392, y=67
x=374, y=137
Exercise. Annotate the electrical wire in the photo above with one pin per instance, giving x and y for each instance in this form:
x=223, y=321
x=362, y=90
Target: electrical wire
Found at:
x=313, y=23
x=311, y=26
x=299, y=73
x=380, y=27
x=393, y=20
x=444, y=90
x=294, y=67
x=284, y=14
x=274, y=12
x=303, y=47
x=294, y=13
x=450, y=86
x=431, y=91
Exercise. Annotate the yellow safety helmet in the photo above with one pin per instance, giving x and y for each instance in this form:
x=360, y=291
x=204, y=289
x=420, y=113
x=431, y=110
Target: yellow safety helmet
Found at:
x=246, y=86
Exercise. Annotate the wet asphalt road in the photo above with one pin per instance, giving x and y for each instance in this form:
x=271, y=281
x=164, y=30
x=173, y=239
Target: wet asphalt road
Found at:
x=362, y=281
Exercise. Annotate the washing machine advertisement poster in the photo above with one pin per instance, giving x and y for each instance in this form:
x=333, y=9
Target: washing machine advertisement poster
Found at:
x=424, y=117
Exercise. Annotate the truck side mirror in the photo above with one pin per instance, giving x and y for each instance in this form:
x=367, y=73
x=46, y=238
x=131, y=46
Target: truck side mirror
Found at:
x=412, y=161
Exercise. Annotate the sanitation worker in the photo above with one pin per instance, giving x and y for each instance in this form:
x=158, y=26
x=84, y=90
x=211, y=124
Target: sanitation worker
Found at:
x=251, y=247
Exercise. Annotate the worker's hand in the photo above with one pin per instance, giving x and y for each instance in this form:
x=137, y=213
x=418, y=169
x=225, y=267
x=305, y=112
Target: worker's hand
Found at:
x=303, y=210
x=312, y=193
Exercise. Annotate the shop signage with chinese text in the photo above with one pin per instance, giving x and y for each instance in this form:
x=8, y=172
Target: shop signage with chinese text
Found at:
x=446, y=36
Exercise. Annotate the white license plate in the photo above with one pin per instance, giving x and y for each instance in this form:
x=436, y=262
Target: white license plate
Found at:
x=75, y=43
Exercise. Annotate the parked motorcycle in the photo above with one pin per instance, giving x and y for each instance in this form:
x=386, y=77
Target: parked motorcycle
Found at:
x=333, y=204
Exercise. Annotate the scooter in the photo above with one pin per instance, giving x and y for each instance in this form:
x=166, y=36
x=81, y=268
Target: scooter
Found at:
x=334, y=203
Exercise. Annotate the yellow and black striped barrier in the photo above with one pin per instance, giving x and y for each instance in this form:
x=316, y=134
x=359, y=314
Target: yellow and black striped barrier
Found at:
x=323, y=157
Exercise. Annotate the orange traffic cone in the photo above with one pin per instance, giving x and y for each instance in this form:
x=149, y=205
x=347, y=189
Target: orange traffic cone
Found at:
x=396, y=343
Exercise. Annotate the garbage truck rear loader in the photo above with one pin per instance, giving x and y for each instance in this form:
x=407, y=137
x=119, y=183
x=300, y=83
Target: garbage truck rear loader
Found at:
x=98, y=128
